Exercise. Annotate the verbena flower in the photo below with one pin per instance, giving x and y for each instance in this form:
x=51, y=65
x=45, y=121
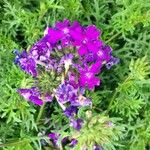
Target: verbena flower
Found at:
x=86, y=39
x=64, y=28
x=65, y=63
x=113, y=61
x=97, y=147
x=104, y=54
x=41, y=50
x=81, y=101
x=32, y=95
x=76, y=123
x=87, y=76
x=26, y=63
x=48, y=97
x=54, y=138
x=73, y=142
x=70, y=111
x=66, y=93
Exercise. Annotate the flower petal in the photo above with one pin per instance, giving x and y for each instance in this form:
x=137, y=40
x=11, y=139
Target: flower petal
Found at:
x=92, y=32
x=82, y=50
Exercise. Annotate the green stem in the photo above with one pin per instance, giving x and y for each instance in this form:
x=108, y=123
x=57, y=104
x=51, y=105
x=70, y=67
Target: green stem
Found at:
x=111, y=101
x=113, y=37
x=40, y=113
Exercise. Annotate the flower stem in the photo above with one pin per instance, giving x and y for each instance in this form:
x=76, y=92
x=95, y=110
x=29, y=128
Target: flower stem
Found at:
x=40, y=113
x=113, y=37
x=111, y=101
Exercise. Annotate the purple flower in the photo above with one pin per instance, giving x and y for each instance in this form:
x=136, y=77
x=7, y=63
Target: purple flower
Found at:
x=87, y=76
x=54, y=137
x=65, y=140
x=97, y=147
x=113, y=61
x=90, y=57
x=52, y=64
x=41, y=50
x=73, y=142
x=67, y=58
x=86, y=39
x=59, y=47
x=110, y=124
x=70, y=111
x=64, y=28
x=82, y=101
x=72, y=80
x=54, y=35
x=104, y=54
x=55, y=54
x=76, y=123
x=67, y=61
x=66, y=93
x=48, y=97
x=32, y=95
x=26, y=63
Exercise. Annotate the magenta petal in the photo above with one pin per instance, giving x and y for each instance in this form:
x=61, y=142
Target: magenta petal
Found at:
x=73, y=142
x=36, y=100
x=31, y=67
x=82, y=81
x=94, y=46
x=94, y=82
x=82, y=50
x=26, y=93
x=92, y=32
x=95, y=68
x=61, y=25
x=98, y=43
x=77, y=33
x=91, y=47
x=75, y=24
x=54, y=35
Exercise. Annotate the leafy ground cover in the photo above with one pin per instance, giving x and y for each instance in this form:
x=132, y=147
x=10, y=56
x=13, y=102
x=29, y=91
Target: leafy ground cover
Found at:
x=122, y=98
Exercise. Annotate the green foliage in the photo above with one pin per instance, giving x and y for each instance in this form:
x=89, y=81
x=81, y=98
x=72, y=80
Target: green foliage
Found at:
x=124, y=92
x=131, y=13
x=48, y=81
x=99, y=130
x=140, y=68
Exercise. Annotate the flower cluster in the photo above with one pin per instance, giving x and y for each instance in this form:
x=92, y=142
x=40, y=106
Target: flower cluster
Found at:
x=72, y=55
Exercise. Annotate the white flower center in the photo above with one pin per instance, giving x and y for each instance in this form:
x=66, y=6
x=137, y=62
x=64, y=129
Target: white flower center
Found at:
x=34, y=52
x=66, y=30
x=42, y=58
x=85, y=40
x=99, y=53
x=27, y=95
x=88, y=74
